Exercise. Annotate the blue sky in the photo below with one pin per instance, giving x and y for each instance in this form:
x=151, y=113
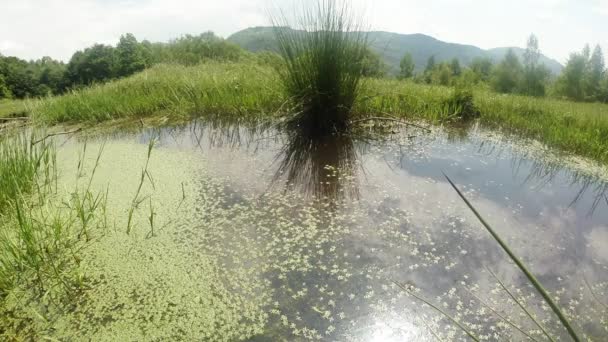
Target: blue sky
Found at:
x=34, y=28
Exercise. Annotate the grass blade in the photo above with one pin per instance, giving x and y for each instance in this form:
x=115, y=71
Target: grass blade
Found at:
x=537, y=285
x=438, y=309
x=523, y=307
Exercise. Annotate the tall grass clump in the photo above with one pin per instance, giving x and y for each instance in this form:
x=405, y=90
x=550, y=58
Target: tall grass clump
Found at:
x=21, y=161
x=27, y=171
x=39, y=231
x=323, y=53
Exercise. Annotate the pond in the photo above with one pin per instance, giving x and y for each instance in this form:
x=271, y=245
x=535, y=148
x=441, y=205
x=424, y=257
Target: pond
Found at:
x=265, y=237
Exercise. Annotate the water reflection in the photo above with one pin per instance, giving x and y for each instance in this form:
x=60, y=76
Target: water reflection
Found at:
x=323, y=166
x=331, y=167
x=328, y=272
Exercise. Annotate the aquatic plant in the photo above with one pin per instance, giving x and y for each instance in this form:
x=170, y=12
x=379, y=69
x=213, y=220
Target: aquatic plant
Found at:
x=40, y=234
x=21, y=162
x=323, y=55
x=535, y=282
x=461, y=104
x=136, y=200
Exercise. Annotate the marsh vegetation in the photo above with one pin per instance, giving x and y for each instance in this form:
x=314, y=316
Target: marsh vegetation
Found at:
x=234, y=196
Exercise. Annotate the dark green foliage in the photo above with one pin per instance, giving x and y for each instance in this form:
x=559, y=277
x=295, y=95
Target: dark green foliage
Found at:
x=603, y=93
x=20, y=79
x=323, y=67
x=507, y=75
x=535, y=75
x=441, y=74
x=100, y=63
x=130, y=56
x=456, y=68
x=94, y=64
x=5, y=92
x=407, y=66
x=595, y=74
x=51, y=76
x=372, y=65
x=482, y=67
x=572, y=81
x=584, y=77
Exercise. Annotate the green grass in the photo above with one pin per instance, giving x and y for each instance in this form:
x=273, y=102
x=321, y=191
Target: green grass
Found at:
x=250, y=90
x=243, y=90
x=26, y=170
x=323, y=65
x=20, y=164
x=38, y=234
x=10, y=108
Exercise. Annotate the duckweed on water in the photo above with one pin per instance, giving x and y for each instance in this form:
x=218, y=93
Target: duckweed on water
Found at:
x=160, y=287
x=232, y=259
x=137, y=287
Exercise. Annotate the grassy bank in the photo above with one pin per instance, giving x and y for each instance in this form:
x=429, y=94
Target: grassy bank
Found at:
x=250, y=90
x=10, y=108
x=243, y=90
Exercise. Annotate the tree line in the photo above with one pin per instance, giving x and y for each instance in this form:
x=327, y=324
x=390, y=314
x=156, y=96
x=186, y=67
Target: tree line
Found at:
x=101, y=63
x=584, y=77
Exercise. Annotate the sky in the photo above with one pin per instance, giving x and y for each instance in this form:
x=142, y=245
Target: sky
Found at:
x=31, y=29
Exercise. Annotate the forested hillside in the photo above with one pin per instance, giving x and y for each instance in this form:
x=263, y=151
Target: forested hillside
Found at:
x=391, y=47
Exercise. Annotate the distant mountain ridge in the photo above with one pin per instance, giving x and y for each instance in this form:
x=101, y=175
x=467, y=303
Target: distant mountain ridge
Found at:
x=393, y=46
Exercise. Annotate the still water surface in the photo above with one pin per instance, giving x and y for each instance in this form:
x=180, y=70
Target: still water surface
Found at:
x=320, y=234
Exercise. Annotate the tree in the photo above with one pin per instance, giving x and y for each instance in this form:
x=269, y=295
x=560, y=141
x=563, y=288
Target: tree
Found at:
x=428, y=70
x=604, y=89
x=532, y=53
x=507, y=75
x=94, y=64
x=5, y=93
x=586, y=52
x=482, y=67
x=442, y=74
x=192, y=50
x=130, y=56
x=572, y=80
x=407, y=66
x=372, y=65
x=19, y=77
x=430, y=64
x=594, y=74
x=535, y=75
x=51, y=76
x=455, y=67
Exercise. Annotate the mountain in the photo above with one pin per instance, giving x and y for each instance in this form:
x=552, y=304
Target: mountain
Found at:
x=393, y=46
